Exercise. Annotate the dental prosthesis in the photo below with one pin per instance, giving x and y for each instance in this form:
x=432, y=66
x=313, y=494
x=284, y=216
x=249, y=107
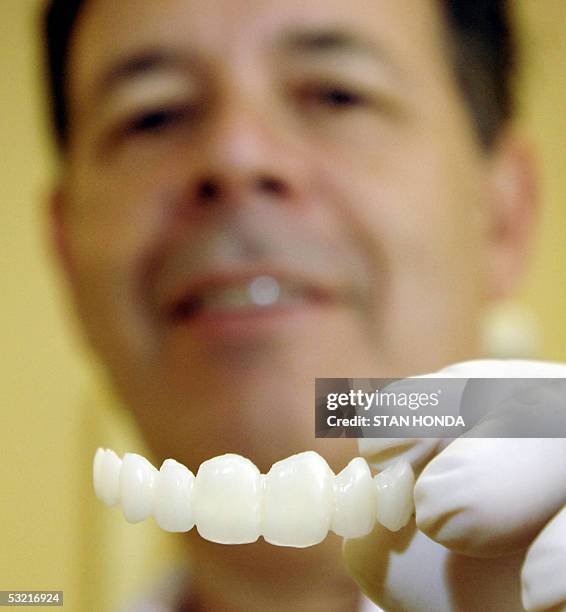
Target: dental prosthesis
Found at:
x=294, y=504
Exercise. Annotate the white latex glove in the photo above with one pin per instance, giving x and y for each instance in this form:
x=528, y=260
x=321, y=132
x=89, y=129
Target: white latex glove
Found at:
x=481, y=504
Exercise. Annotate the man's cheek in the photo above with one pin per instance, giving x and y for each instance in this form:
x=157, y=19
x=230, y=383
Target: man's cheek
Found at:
x=100, y=280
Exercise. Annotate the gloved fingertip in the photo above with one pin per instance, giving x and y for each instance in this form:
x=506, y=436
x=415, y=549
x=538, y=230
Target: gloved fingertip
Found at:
x=382, y=453
x=447, y=505
x=368, y=559
x=543, y=583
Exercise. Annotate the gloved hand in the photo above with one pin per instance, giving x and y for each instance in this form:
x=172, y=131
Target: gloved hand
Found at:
x=490, y=529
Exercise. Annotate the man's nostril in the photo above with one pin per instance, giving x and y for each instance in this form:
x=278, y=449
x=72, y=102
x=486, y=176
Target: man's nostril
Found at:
x=268, y=184
x=208, y=190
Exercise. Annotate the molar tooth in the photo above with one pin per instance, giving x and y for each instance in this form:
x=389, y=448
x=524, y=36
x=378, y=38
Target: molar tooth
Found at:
x=106, y=476
x=172, y=500
x=97, y=472
x=227, y=500
x=355, y=497
x=298, y=501
x=137, y=485
x=395, y=503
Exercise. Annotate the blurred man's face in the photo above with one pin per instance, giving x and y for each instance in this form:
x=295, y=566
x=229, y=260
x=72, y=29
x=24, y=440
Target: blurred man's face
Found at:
x=260, y=192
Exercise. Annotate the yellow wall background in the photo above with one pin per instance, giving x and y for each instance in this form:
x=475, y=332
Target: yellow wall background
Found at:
x=53, y=412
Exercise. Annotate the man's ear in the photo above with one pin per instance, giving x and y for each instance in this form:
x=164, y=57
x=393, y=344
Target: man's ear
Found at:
x=59, y=230
x=513, y=213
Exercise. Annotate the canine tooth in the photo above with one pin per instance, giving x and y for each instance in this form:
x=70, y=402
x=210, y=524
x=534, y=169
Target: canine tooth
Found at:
x=227, y=500
x=355, y=500
x=395, y=503
x=137, y=484
x=298, y=501
x=172, y=500
x=106, y=476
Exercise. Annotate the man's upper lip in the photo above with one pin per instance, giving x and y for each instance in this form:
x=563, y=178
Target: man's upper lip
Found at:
x=192, y=288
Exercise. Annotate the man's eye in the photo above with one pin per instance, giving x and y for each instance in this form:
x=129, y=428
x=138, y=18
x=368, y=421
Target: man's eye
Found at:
x=337, y=97
x=341, y=97
x=156, y=121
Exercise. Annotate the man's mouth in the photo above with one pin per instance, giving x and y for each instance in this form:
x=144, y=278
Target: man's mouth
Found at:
x=246, y=296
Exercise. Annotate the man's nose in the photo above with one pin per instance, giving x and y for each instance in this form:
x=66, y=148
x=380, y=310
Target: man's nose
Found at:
x=245, y=156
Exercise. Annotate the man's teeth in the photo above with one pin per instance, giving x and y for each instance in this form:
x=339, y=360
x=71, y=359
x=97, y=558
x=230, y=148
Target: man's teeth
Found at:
x=260, y=291
x=295, y=504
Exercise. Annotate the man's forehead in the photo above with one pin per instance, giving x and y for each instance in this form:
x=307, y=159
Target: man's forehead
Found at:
x=403, y=40
x=108, y=31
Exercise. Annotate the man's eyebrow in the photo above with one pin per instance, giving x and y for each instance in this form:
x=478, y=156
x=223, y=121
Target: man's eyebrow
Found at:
x=138, y=64
x=318, y=41
x=304, y=40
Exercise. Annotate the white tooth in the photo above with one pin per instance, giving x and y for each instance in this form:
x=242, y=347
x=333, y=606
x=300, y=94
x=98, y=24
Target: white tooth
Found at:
x=298, y=501
x=355, y=500
x=395, y=487
x=137, y=484
x=97, y=472
x=172, y=499
x=232, y=503
x=260, y=291
x=227, y=500
x=106, y=474
x=264, y=290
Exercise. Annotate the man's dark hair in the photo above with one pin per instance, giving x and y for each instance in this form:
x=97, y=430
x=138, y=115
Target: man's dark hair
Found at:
x=480, y=41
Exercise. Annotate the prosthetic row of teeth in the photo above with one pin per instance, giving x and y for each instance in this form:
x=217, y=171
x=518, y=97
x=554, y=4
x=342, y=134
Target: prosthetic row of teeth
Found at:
x=295, y=504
